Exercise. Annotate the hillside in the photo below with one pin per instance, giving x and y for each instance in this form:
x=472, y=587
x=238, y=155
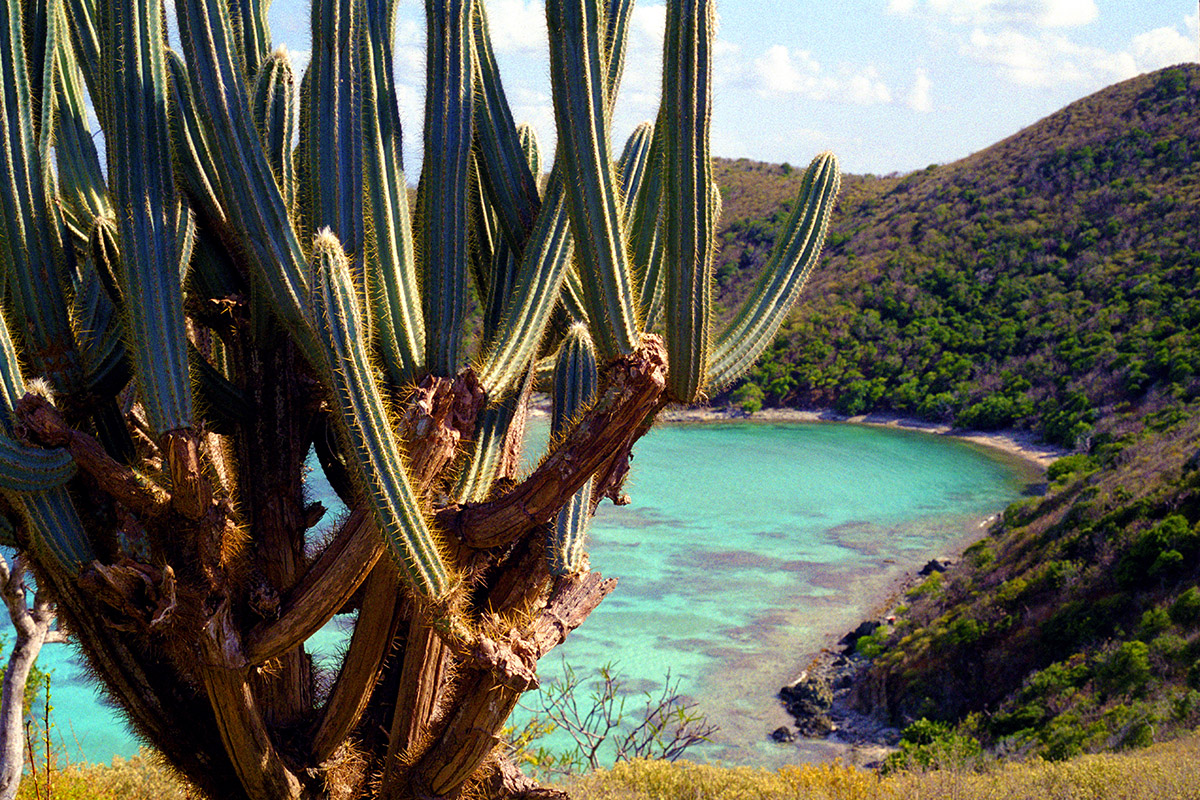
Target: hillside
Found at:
x=1040, y=283
x=1075, y=625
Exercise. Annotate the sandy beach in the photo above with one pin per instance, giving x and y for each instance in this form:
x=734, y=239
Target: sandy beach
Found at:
x=1021, y=444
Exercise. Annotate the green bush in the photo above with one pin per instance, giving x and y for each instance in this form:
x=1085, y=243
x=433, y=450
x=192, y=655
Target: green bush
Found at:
x=928, y=744
x=750, y=397
x=1185, y=611
x=1126, y=669
x=1154, y=621
x=1069, y=466
x=979, y=555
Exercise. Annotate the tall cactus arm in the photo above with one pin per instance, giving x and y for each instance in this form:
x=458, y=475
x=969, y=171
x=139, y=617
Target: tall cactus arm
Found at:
x=365, y=427
x=31, y=260
x=617, y=17
x=499, y=437
x=149, y=216
x=100, y=332
x=504, y=172
x=443, y=196
x=80, y=179
x=580, y=106
x=49, y=514
x=394, y=294
x=505, y=261
x=86, y=41
x=539, y=279
x=331, y=129
x=635, y=166
x=275, y=113
x=576, y=384
x=784, y=275
x=249, y=195
x=53, y=521
x=689, y=224
x=33, y=469
x=194, y=154
x=252, y=31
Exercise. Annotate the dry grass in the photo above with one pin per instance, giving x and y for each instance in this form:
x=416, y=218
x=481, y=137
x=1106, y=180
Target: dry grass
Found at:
x=142, y=777
x=1169, y=771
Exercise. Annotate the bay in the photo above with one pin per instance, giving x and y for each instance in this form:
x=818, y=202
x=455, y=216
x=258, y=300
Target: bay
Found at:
x=744, y=547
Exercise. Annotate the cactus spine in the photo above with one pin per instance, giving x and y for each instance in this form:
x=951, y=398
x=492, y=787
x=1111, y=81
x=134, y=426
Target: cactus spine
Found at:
x=218, y=301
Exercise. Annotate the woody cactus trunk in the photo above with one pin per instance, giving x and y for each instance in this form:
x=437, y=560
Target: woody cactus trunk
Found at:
x=185, y=323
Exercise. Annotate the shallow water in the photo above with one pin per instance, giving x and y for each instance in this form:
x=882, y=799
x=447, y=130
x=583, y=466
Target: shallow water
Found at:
x=744, y=548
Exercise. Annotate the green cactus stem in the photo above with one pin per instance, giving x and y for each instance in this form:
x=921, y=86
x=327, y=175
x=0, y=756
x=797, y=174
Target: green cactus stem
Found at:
x=442, y=199
x=365, y=428
x=577, y=76
x=786, y=271
x=575, y=389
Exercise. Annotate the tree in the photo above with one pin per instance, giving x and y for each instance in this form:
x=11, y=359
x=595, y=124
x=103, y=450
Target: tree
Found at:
x=33, y=629
x=182, y=327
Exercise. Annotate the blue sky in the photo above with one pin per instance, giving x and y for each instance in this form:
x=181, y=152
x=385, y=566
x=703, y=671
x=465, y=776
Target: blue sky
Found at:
x=889, y=85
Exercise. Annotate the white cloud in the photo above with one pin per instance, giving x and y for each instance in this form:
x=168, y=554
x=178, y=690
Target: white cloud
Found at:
x=1039, y=13
x=866, y=88
x=901, y=6
x=1045, y=58
x=919, y=98
x=1163, y=47
x=1048, y=59
x=783, y=71
x=517, y=25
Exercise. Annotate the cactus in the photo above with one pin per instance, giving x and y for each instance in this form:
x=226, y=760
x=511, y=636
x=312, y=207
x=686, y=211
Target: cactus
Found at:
x=217, y=302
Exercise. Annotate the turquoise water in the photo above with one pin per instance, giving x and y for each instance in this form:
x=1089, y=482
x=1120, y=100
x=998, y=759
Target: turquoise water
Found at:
x=745, y=546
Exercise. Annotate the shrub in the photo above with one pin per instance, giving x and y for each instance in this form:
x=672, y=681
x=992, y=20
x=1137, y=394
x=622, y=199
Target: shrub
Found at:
x=1126, y=669
x=1070, y=466
x=1185, y=611
x=927, y=744
x=1154, y=621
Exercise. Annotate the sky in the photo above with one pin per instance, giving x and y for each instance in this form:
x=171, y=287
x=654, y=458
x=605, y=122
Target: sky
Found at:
x=888, y=85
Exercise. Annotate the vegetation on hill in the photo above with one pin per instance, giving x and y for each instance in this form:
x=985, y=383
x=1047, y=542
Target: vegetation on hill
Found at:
x=1039, y=283
x=1075, y=625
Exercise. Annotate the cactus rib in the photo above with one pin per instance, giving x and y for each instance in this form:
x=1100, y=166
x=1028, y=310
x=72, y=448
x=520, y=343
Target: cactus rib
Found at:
x=687, y=166
x=442, y=199
x=365, y=428
x=784, y=275
x=394, y=296
x=581, y=105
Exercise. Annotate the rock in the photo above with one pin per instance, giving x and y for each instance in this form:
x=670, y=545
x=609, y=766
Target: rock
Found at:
x=816, y=726
x=807, y=698
x=782, y=734
x=935, y=565
x=864, y=629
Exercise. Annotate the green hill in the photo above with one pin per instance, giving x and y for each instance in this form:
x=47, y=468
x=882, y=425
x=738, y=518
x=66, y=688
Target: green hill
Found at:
x=1040, y=283
x=1075, y=625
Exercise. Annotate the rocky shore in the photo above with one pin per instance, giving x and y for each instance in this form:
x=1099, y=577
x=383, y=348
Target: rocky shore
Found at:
x=822, y=699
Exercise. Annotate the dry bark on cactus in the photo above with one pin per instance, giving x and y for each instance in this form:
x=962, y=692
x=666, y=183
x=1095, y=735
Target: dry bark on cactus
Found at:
x=213, y=306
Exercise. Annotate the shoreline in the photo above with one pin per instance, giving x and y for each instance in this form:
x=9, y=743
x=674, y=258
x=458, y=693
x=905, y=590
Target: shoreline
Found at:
x=1021, y=444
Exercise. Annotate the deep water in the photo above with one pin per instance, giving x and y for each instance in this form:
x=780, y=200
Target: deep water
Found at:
x=744, y=548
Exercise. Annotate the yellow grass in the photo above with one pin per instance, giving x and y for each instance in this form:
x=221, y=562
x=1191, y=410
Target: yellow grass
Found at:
x=1169, y=771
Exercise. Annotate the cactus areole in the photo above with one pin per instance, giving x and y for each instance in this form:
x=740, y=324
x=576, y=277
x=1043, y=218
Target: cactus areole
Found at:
x=181, y=328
